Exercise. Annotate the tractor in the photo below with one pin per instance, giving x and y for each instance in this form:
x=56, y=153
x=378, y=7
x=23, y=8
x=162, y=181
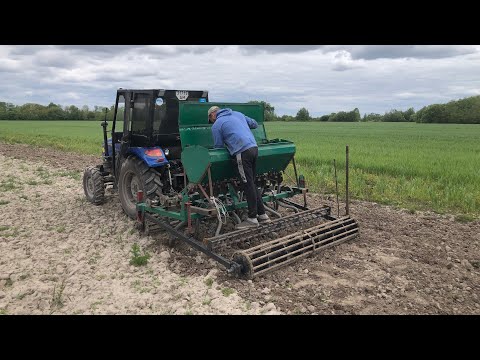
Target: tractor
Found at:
x=169, y=177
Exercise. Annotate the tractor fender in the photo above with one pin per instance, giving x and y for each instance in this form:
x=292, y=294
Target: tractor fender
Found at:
x=151, y=156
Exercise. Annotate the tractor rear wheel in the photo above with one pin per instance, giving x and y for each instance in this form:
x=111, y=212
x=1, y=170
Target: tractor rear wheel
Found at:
x=93, y=185
x=136, y=175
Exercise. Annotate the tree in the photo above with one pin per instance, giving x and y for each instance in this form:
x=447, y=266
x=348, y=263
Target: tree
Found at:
x=394, y=116
x=303, y=115
x=356, y=115
x=408, y=115
x=373, y=117
x=269, y=110
x=343, y=116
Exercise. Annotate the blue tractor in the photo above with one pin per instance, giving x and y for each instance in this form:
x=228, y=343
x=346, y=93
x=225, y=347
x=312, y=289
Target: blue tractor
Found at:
x=147, y=149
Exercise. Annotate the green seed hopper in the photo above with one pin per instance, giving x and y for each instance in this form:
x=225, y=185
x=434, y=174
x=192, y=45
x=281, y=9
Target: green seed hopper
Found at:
x=198, y=154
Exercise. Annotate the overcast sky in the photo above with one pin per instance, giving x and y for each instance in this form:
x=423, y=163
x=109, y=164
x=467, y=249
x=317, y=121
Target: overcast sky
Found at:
x=323, y=79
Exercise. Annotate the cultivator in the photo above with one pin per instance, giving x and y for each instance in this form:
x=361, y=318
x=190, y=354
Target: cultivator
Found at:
x=213, y=192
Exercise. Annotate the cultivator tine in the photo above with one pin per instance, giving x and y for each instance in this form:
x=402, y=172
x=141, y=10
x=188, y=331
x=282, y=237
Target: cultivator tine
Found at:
x=274, y=254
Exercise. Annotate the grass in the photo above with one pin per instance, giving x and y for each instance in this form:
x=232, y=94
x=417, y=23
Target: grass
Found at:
x=57, y=301
x=209, y=282
x=183, y=280
x=83, y=137
x=95, y=304
x=94, y=259
x=9, y=184
x=409, y=165
x=71, y=174
x=415, y=166
x=4, y=227
x=207, y=301
x=137, y=259
x=227, y=291
x=464, y=218
x=4, y=202
x=14, y=232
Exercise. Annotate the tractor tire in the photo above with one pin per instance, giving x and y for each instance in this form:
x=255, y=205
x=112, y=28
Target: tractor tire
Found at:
x=93, y=185
x=136, y=175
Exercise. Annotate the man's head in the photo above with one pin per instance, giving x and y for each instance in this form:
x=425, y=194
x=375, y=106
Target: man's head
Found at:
x=212, y=114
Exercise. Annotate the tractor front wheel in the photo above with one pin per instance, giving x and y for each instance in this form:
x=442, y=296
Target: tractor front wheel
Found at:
x=135, y=175
x=93, y=185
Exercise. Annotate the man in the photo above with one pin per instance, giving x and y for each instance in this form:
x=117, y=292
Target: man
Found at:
x=232, y=128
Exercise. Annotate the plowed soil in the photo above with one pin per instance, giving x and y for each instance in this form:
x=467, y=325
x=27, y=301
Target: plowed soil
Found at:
x=62, y=255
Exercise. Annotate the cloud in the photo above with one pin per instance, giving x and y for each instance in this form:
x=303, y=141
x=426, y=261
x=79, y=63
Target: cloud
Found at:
x=321, y=78
x=274, y=49
x=343, y=61
x=371, y=52
x=99, y=49
x=9, y=65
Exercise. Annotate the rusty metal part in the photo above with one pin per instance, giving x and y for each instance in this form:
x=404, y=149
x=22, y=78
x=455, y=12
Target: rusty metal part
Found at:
x=274, y=254
x=203, y=211
x=279, y=224
x=188, y=205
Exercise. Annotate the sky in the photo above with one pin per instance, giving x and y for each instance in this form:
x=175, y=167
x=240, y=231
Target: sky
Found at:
x=321, y=78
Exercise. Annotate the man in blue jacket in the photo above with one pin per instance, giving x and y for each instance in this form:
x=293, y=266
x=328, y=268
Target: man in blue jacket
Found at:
x=232, y=128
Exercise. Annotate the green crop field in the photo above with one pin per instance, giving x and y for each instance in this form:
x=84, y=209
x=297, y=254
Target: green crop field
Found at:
x=415, y=166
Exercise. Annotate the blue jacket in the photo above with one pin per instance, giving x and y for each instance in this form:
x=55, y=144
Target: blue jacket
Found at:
x=233, y=129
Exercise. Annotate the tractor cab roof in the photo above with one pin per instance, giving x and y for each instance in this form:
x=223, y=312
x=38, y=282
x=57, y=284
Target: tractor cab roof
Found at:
x=179, y=94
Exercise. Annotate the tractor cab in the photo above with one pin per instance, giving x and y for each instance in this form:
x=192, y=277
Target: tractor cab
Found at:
x=148, y=119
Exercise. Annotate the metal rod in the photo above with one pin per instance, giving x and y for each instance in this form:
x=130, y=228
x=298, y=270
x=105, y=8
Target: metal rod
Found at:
x=210, y=181
x=236, y=217
x=169, y=175
x=230, y=265
x=204, y=193
x=295, y=170
x=140, y=213
x=289, y=202
x=105, y=141
x=347, y=212
x=179, y=225
x=288, y=206
x=114, y=140
x=188, y=204
x=219, y=228
x=277, y=214
x=336, y=186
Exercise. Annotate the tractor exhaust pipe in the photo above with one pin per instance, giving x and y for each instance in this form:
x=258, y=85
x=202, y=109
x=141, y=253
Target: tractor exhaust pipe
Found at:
x=105, y=141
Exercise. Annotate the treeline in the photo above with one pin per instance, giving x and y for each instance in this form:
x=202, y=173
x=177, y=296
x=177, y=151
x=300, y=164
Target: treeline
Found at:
x=52, y=111
x=463, y=111
x=304, y=115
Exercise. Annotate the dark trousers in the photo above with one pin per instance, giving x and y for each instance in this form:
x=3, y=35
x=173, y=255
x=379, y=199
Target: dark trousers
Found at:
x=246, y=162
